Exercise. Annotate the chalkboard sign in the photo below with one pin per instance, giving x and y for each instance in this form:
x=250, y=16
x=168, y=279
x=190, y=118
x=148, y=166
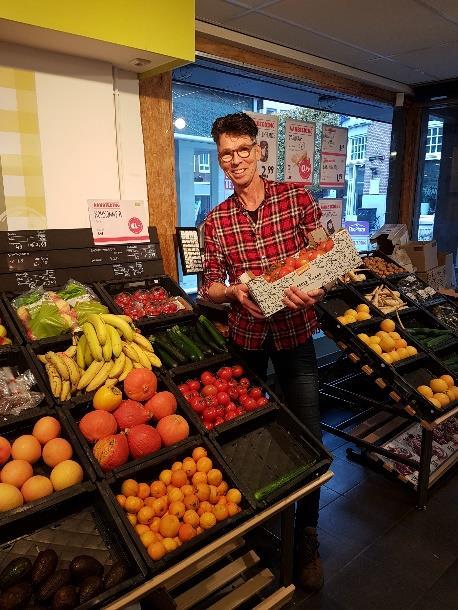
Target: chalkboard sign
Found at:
x=26, y=241
x=189, y=247
x=129, y=270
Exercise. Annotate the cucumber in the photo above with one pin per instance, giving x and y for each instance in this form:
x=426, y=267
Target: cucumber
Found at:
x=188, y=342
x=214, y=333
x=165, y=357
x=260, y=494
x=176, y=340
x=207, y=338
x=204, y=347
x=170, y=348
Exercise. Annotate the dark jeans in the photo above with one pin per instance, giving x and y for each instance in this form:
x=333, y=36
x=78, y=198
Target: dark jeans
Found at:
x=297, y=373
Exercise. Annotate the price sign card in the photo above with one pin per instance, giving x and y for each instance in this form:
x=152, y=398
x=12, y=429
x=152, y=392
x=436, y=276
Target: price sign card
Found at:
x=299, y=151
x=331, y=214
x=333, y=156
x=118, y=221
x=267, y=139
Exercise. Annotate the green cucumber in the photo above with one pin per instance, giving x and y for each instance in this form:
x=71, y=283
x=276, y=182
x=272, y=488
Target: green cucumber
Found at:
x=213, y=331
x=260, y=494
x=204, y=347
x=188, y=343
x=177, y=341
x=207, y=338
x=163, y=341
x=165, y=357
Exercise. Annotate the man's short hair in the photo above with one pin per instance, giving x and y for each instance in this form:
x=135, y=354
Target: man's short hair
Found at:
x=238, y=124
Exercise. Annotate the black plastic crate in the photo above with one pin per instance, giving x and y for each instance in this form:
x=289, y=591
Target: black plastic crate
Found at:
x=337, y=302
x=11, y=330
x=194, y=371
x=378, y=253
x=150, y=472
x=109, y=290
x=447, y=314
x=368, y=287
x=412, y=286
x=268, y=446
x=85, y=524
x=421, y=319
x=448, y=357
x=74, y=414
x=20, y=361
x=16, y=429
x=369, y=278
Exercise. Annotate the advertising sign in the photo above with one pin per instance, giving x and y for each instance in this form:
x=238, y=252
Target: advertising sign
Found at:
x=333, y=156
x=299, y=151
x=118, y=221
x=331, y=218
x=267, y=139
x=359, y=232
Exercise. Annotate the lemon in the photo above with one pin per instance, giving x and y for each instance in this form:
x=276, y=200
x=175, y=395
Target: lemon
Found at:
x=350, y=313
x=374, y=339
x=363, y=315
x=438, y=385
x=425, y=391
x=377, y=349
x=387, y=325
x=362, y=307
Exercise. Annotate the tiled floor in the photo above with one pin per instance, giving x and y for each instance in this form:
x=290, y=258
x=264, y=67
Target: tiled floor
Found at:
x=378, y=551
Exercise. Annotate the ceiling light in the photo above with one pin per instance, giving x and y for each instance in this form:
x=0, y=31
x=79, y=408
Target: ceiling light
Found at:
x=180, y=123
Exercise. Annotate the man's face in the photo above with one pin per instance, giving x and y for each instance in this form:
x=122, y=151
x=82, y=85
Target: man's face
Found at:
x=240, y=169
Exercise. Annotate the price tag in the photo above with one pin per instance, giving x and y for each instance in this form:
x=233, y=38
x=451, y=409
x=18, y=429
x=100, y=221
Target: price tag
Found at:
x=35, y=241
x=191, y=257
x=34, y=279
x=129, y=270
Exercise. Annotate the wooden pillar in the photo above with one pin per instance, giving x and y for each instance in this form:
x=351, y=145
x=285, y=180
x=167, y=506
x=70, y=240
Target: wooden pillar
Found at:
x=410, y=163
x=157, y=126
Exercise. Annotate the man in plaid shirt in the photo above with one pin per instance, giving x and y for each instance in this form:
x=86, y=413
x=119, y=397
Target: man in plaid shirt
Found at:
x=261, y=223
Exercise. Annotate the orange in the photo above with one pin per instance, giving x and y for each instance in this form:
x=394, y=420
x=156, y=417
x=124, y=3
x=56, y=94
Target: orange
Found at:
x=165, y=476
x=46, y=428
x=169, y=526
x=400, y=343
x=435, y=402
x=16, y=473
x=177, y=466
x=207, y=520
x=199, y=530
x=448, y=380
x=387, y=343
x=199, y=477
x=178, y=541
x=56, y=451
x=204, y=507
x=425, y=391
x=186, y=532
x=133, y=504
x=191, y=517
x=394, y=335
x=66, y=474
x=154, y=526
x=132, y=518
x=187, y=490
x=145, y=515
x=26, y=447
x=198, y=452
x=177, y=508
x=169, y=544
x=160, y=506
x=222, y=488
x=222, y=500
x=381, y=333
x=156, y=551
x=141, y=528
x=10, y=497
x=213, y=498
x=220, y=511
x=36, y=487
x=232, y=509
x=234, y=495
x=175, y=495
x=107, y=398
x=362, y=307
x=214, y=477
x=149, y=501
x=387, y=325
x=438, y=385
x=203, y=491
x=143, y=490
x=189, y=466
x=148, y=538
x=179, y=478
x=376, y=348
x=204, y=464
x=129, y=487
x=442, y=398
x=191, y=501
x=121, y=499
x=158, y=489
x=5, y=450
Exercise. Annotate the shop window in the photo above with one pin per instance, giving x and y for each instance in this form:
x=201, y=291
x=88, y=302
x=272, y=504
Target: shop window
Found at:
x=358, y=147
x=434, y=140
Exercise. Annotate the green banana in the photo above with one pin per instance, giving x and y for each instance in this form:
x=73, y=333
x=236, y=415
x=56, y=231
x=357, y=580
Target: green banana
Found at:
x=90, y=373
x=116, y=344
x=117, y=322
x=93, y=341
x=100, y=327
x=101, y=376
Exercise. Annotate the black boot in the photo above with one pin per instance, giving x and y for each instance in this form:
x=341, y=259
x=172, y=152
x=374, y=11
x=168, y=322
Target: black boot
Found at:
x=308, y=563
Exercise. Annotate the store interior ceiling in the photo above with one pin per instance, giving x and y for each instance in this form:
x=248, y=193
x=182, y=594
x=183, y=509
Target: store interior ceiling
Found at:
x=408, y=41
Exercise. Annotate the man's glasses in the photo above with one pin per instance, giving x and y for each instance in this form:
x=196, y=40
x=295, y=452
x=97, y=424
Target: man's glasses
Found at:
x=243, y=152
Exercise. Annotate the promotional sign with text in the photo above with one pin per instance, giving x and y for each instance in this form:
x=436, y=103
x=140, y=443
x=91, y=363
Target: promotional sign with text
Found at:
x=333, y=156
x=267, y=139
x=118, y=221
x=331, y=218
x=359, y=232
x=299, y=151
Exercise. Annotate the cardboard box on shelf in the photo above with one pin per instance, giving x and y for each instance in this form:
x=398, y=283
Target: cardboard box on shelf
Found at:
x=423, y=254
x=434, y=277
x=324, y=269
x=389, y=236
x=447, y=261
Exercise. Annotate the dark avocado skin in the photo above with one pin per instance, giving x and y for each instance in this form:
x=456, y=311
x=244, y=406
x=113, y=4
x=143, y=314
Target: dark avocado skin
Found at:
x=65, y=598
x=44, y=566
x=90, y=587
x=83, y=566
x=116, y=574
x=18, y=569
x=59, y=579
x=16, y=596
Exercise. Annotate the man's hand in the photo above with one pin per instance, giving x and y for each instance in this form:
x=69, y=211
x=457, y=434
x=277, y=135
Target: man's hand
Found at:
x=240, y=293
x=298, y=299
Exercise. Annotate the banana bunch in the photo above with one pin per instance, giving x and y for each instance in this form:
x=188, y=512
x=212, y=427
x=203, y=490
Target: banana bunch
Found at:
x=104, y=354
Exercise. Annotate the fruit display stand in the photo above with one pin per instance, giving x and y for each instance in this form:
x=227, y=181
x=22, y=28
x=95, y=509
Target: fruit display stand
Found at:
x=393, y=393
x=9, y=335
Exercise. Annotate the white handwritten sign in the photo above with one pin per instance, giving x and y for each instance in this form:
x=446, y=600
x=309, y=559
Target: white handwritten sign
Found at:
x=118, y=221
x=299, y=151
x=333, y=154
x=267, y=139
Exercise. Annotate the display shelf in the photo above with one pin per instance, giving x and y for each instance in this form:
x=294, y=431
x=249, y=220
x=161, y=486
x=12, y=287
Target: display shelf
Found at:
x=368, y=287
x=422, y=319
x=447, y=313
x=11, y=329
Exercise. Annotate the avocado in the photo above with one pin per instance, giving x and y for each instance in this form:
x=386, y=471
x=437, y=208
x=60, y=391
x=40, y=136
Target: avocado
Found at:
x=44, y=566
x=90, y=587
x=57, y=580
x=16, y=596
x=18, y=569
x=65, y=598
x=83, y=566
x=116, y=574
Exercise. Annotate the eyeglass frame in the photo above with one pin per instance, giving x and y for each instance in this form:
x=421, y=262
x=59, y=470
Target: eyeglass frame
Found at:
x=237, y=150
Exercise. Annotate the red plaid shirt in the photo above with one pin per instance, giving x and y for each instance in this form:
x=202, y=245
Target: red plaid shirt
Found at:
x=234, y=243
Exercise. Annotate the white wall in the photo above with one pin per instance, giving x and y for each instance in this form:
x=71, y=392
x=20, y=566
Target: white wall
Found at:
x=90, y=148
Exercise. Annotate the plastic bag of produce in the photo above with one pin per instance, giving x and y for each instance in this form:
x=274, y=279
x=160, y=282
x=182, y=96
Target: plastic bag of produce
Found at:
x=74, y=291
x=84, y=308
x=49, y=321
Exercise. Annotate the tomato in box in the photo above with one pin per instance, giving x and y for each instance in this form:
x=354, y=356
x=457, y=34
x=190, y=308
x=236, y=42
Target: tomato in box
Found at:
x=141, y=296
x=169, y=308
x=158, y=294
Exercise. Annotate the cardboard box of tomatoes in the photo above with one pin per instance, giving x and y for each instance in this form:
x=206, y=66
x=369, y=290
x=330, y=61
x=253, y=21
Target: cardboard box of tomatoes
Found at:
x=325, y=260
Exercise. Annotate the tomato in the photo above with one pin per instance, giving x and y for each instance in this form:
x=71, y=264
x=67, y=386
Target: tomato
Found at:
x=158, y=294
x=223, y=398
x=190, y=395
x=184, y=388
x=209, y=425
x=199, y=405
x=290, y=261
x=209, y=390
x=207, y=378
x=233, y=393
x=250, y=404
x=328, y=245
x=237, y=370
x=225, y=373
x=153, y=311
x=311, y=255
x=261, y=402
x=169, y=308
x=221, y=385
x=231, y=415
x=193, y=384
x=230, y=407
x=211, y=401
x=255, y=393
x=239, y=412
x=244, y=382
x=209, y=414
x=243, y=393
x=301, y=261
x=219, y=420
x=243, y=398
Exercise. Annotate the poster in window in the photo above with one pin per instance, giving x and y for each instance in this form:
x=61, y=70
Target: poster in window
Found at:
x=299, y=151
x=333, y=156
x=331, y=214
x=267, y=139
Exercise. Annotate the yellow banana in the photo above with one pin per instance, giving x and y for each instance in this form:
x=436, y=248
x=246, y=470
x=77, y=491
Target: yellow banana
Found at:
x=100, y=327
x=125, y=318
x=101, y=376
x=107, y=349
x=73, y=369
x=118, y=366
x=93, y=341
x=109, y=383
x=116, y=344
x=80, y=349
x=143, y=342
x=58, y=364
x=65, y=392
x=137, y=365
x=88, y=359
x=42, y=358
x=70, y=351
x=90, y=373
x=117, y=322
x=127, y=368
x=130, y=352
x=155, y=361
x=55, y=382
x=142, y=358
